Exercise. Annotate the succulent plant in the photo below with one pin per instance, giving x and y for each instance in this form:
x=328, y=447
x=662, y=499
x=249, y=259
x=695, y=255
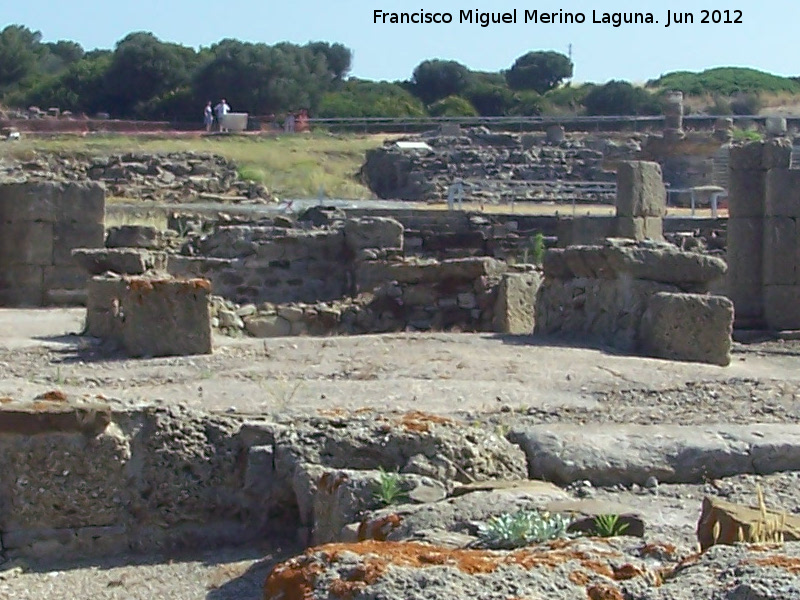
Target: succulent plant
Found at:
x=523, y=528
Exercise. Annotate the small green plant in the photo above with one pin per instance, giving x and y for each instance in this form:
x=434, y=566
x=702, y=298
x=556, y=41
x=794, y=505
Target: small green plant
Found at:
x=608, y=526
x=747, y=135
x=538, y=248
x=515, y=530
x=389, y=489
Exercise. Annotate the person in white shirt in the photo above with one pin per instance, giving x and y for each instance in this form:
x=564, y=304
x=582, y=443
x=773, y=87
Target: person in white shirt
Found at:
x=222, y=109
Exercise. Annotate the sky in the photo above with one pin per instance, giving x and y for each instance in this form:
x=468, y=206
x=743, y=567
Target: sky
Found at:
x=766, y=39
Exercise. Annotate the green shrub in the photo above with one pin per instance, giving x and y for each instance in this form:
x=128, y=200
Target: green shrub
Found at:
x=621, y=98
x=453, y=106
x=725, y=81
x=358, y=98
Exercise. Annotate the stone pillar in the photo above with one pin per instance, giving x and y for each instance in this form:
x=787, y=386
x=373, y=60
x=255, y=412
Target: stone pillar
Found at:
x=673, y=116
x=40, y=224
x=781, y=256
x=641, y=200
x=747, y=188
x=758, y=234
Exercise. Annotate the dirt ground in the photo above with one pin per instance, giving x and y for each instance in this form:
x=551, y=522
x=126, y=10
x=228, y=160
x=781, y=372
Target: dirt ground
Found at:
x=438, y=372
x=478, y=376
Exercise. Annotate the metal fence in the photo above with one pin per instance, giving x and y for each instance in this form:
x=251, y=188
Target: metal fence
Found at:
x=574, y=123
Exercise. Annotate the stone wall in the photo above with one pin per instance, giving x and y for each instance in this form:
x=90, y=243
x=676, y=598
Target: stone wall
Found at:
x=251, y=264
x=40, y=224
x=637, y=297
x=471, y=294
x=92, y=479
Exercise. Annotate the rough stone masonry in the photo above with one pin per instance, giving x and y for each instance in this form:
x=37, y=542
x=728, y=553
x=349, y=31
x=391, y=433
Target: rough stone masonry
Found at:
x=40, y=224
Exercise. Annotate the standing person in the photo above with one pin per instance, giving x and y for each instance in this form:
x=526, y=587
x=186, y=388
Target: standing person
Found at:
x=222, y=109
x=208, y=116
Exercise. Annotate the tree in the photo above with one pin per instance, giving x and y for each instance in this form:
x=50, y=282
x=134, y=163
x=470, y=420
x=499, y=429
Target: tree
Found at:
x=539, y=71
x=18, y=54
x=490, y=100
x=143, y=68
x=263, y=79
x=81, y=88
x=437, y=79
x=620, y=98
x=337, y=56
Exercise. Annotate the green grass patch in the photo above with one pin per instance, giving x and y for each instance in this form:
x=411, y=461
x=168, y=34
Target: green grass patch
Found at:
x=747, y=135
x=292, y=166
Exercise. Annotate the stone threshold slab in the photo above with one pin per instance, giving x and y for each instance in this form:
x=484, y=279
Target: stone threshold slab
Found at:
x=627, y=454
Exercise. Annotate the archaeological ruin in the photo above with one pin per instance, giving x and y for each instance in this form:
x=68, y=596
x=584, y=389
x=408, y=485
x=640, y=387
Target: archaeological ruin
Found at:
x=402, y=401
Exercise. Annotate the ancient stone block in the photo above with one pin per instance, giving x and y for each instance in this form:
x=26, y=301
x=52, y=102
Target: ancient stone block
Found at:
x=780, y=251
x=783, y=193
x=631, y=228
x=419, y=295
x=166, y=317
x=782, y=306
x=81, y=202
x=662, y=262
x=555, y=264
x=727, y=523
x=126, y=261
x=654, y=228
x=68, y=236
x=515, y=307
x=64, y=286
x=585, y=230
x=745, y=251
x=21, y=285
x=132, y=236
x=747, y=157
x=266, y=326
x=26, y=243
x=373, y=232
x=103, y=307
x=70, y=480
x=640, y=190
x=746, y=193
x=777, y=154
x=689, y=327
x=29, y=202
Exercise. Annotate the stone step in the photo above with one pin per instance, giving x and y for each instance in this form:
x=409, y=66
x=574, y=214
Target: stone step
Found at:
x=627, y=454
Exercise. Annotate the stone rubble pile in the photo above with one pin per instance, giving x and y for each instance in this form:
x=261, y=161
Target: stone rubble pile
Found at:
x=173, y=177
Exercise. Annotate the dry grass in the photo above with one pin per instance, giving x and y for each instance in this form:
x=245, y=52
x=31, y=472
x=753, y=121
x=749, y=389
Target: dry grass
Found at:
x=296, y=166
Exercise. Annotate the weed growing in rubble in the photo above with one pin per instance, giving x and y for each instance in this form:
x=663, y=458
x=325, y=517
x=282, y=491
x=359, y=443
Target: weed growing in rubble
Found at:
x=768, y=529
x=523, y=528
x=608, y=526
x=388, y=489
x=538, y=248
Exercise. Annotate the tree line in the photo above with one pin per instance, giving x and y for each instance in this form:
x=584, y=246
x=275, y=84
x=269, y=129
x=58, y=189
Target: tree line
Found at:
x=146, y=78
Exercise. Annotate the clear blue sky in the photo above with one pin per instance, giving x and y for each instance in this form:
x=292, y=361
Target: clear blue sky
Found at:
x=766, y=40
